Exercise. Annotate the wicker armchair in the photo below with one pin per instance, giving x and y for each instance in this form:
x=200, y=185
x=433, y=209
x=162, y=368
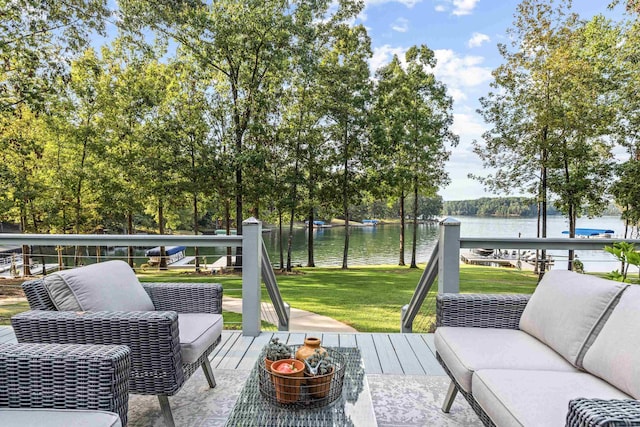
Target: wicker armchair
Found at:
x=88, y=378
x=504, y=311
x=157, y=366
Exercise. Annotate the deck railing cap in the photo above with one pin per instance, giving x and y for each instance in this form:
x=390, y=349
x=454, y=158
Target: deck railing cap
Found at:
x=450, y=221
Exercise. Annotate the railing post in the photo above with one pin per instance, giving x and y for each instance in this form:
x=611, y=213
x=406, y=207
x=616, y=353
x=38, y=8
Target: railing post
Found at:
x=403, y=313
x=449, y=262
x=251, y=265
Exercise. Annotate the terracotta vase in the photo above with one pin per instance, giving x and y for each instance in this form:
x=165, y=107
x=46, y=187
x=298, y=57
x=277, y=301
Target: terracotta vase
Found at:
x=287, y=384
x=267, y=364
x=319, y=385
x=309, y=347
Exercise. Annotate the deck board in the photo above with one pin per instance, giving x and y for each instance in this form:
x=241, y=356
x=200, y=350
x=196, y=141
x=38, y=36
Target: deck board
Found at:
x=369, y=355
x=348, y=340
x=236, y=353
x=224, y=346
x=248, y=361
x=389, y=362
x=424, y=354
x=382, y=353
x=330, y=340
x=409, y=362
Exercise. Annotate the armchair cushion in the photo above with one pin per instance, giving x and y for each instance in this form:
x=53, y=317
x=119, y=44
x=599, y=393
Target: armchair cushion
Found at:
x=198, y=332
x=58, y=418
x=577, y=302
x=535, y=398
x=614, y=354
x=107, y=286
x=467, y=350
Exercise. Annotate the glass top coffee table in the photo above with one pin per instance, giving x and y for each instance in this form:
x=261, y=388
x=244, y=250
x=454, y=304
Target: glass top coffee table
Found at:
x=352, y=408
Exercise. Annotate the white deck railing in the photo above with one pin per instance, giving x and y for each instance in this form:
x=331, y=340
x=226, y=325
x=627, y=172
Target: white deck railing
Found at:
x=255, y=261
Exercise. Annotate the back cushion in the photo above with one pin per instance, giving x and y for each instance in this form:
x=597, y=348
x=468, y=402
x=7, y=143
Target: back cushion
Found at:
x=106, y=286
x=615, y=353
x=566, y=308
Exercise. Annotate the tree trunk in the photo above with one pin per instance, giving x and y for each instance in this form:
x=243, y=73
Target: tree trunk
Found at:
x=238, y=263
x=572, y=217
x=130, y=231
x=402, y=227
x=345, y=200
x=415, y=224
x=26, y=260
x=163, y=252
x=280, y=245
x=227, y=222
x=310, y=254
x=544, y=208
x=196, y=231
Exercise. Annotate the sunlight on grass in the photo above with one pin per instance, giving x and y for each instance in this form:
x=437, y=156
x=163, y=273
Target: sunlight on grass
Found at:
x=369, y=299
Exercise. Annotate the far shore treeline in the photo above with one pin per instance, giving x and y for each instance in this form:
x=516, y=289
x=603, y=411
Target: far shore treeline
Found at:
x=506, y=207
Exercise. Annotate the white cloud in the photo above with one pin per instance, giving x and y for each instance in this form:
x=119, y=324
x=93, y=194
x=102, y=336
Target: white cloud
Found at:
x=407, y=3
x=382, y=56
x=477, y=39
x=400, y=25
x=460, y=73
x=460, y=7
x=468, y=126
x=464, y=161
x=464, y=7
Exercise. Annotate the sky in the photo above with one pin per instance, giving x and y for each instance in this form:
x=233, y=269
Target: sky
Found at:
x=464, y=35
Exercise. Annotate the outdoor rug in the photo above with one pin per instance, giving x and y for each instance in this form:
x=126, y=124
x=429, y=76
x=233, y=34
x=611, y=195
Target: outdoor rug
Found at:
x=399, y=401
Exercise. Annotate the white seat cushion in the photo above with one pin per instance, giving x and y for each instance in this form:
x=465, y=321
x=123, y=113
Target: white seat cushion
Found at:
x=106, y=286
x=535, y=398
x=57, y=418
x=466, y=350
x=198, y=332
x=615, y=353
x=566, y=308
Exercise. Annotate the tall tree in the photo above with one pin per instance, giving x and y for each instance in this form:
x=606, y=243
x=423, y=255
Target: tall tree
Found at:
x=346, y=87
x=428, y=124
x=246, y=43
x=531, y=106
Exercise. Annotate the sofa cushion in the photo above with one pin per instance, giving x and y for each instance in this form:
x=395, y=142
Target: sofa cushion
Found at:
x=535, y=398
x=566, y=308
x=107, y=286
x=615, y=353
x=466, y=350
x=58, y=418
x=198, y=332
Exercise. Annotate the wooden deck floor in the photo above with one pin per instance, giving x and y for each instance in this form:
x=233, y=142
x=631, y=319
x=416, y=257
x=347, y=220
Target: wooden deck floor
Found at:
x=382, y=353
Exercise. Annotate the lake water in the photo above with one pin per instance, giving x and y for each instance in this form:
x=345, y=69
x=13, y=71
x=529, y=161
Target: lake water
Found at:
x=380, y=244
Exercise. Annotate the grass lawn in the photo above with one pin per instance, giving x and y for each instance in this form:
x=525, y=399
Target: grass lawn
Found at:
x=368, y=298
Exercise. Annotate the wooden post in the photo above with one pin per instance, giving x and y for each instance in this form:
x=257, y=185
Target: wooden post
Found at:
x=251, y=265
x=449, y=262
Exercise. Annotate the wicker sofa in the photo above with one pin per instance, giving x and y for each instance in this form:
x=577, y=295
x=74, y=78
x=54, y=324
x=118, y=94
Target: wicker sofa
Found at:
x=171, y=328
x=60, y=385
x=566, y=355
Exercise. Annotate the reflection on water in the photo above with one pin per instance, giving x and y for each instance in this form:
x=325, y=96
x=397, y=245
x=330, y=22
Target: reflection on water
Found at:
x=367, y=245
x=380, y=245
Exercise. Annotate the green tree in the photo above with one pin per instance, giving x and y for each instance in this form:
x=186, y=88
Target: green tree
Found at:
x=246, y=43
x=552, y=79
x=36, y=37
x=346, y=87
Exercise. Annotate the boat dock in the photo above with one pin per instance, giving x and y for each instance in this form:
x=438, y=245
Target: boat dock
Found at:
x=523, y=261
